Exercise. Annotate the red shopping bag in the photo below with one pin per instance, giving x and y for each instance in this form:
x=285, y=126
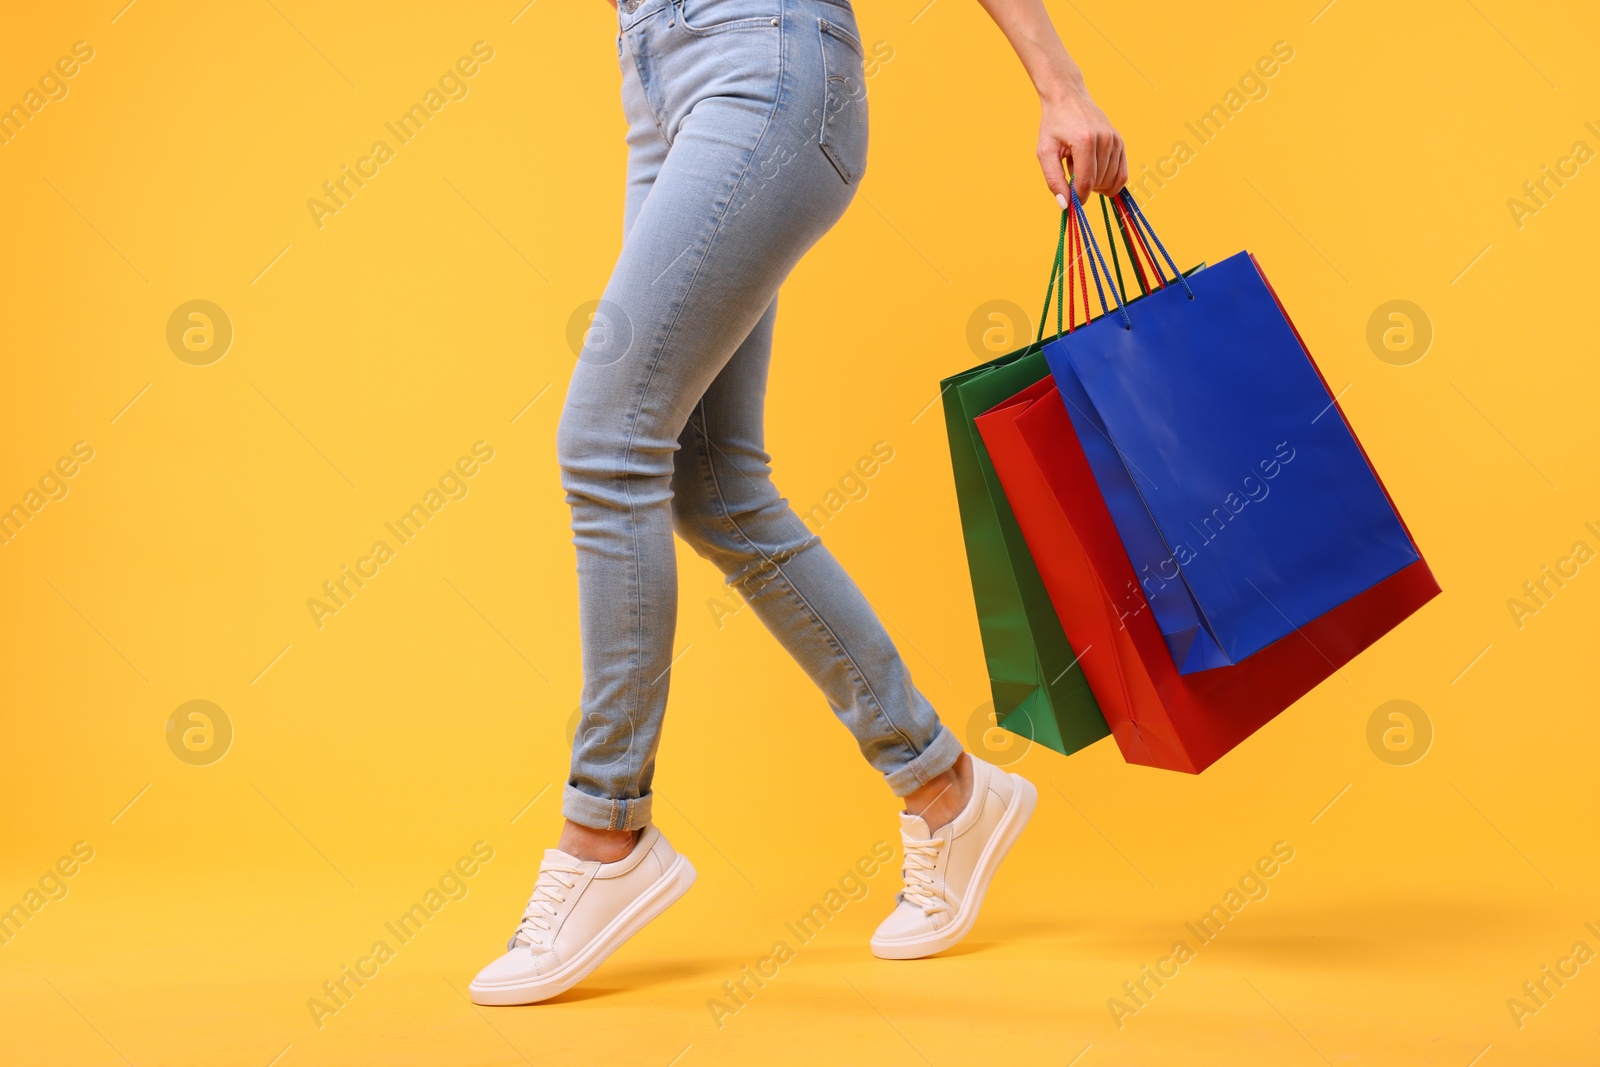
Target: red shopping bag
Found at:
x=1159, y=717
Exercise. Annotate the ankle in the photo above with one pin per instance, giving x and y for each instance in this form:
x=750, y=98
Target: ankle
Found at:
x=944, y=797
x=587, y=843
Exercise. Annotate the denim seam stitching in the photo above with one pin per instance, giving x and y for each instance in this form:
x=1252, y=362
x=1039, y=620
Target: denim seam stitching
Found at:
x=917, y=769
x=807, y=605
x=655, y=363
x=609, y=802
x=708, y=480
x=826, y=29
x=644, y=82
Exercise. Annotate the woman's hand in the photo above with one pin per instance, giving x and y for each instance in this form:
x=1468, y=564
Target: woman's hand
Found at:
x=1075, y=134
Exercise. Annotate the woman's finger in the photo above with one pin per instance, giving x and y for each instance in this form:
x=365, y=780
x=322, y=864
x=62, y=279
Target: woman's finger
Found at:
x=1085, y=164
x=1106, y=159
x=1119, y=172
x=1055, y=177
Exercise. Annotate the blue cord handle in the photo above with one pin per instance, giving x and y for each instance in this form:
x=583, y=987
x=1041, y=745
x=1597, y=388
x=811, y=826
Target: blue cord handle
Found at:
x=1133, y=208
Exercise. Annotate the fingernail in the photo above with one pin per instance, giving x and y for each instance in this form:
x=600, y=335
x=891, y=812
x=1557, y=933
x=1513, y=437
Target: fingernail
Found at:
x=1061, y=198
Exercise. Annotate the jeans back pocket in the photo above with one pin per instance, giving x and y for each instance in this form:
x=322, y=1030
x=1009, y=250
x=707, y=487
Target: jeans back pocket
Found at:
x=843, y=136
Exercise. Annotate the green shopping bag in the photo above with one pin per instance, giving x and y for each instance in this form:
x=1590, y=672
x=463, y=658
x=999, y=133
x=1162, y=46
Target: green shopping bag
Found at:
x=1039, y=690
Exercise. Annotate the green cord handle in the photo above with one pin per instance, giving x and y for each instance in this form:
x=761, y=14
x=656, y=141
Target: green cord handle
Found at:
x=1057, y=283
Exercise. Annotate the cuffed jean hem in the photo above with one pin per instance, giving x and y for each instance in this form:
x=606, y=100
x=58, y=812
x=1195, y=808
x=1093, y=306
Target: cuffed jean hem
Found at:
x=599, y=813
x=938, y=757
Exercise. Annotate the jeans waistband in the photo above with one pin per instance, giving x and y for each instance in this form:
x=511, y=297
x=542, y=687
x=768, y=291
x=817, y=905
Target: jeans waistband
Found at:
x=630, y=12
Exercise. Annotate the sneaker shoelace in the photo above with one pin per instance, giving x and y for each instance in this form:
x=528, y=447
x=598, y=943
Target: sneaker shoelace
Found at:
x=545, y=903
x=922, y=858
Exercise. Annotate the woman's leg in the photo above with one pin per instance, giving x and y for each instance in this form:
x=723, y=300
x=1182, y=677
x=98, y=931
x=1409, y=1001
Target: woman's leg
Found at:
x=747, y=134
x=726, y=507
x=743, y=188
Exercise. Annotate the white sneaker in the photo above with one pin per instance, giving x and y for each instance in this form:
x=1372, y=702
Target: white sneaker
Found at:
x=947, y=873
x=580, y=913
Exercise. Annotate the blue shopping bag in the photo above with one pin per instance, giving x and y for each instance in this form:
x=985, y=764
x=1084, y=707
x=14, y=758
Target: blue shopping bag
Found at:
x=1244, y=500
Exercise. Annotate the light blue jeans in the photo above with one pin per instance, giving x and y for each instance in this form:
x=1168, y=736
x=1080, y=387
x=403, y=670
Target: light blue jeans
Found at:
x=747, y=136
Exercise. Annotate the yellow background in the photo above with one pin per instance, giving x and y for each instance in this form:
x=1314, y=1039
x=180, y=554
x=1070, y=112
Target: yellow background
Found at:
x=370, y=753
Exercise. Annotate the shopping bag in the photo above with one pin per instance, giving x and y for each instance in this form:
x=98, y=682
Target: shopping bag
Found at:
x=1192, y=646
x=1077, y=593
x=1038, y=691
x=1240, y=493
x=1159, y=716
